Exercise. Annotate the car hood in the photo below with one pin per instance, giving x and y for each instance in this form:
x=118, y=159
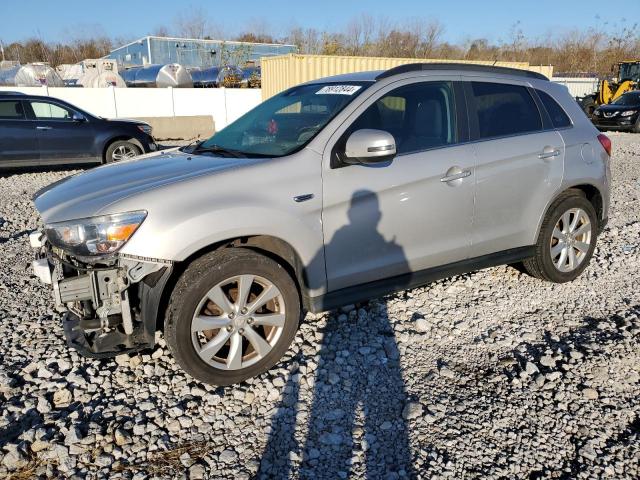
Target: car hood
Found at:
x=91, y=192
x=127, y=121
x=617, y=108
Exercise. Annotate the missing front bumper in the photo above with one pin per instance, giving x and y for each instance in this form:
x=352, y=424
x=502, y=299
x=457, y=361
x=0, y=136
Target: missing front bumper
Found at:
x=108, y=308
x=101, y=344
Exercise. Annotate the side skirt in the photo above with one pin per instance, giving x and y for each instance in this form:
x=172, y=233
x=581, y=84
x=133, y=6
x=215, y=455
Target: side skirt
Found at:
x=378, y=288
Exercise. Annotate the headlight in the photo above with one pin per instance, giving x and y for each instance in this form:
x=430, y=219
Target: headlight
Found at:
x=627, y=113
x=95, y=235
x=145, y=128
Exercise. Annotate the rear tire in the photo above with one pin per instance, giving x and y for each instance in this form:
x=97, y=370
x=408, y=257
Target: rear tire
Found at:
x=215, y=328
x=566, y=240
x=121, y=150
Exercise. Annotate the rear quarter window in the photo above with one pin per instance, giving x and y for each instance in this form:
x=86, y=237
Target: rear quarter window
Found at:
x=505, y=109
x=559, y=118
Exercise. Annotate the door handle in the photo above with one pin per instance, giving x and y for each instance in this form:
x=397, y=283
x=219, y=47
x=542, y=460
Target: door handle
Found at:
x=456, y=176
x=549, y=153
x=44, y=128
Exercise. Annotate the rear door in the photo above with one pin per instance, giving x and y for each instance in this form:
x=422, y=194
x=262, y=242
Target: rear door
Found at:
x=520, y=164
x=61, y=138
x=18, y=143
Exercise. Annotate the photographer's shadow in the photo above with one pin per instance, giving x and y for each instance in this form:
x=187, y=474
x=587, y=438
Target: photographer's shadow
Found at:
x=355, y=426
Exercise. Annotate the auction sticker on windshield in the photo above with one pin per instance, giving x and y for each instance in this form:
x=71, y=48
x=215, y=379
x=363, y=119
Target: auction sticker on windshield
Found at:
x=338, y=90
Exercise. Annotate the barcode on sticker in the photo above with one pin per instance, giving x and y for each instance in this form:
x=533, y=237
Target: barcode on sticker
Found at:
x=338, y=90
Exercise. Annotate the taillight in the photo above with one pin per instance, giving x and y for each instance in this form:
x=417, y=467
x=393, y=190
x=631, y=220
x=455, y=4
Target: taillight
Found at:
x=605, y=142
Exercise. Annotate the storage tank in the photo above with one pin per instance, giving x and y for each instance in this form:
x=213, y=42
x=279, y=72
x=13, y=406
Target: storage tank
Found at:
x=30, y=75
x=150, y=76
x=70, y=74
x=100, y=73
x=205, y=77
x=98, y=79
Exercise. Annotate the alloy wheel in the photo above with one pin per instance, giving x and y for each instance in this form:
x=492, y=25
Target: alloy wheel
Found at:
x=571, y=240
x=238, y=322
x=123, y=152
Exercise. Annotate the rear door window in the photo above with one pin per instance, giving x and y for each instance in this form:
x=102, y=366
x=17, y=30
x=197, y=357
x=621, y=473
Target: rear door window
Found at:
x=504, y=109
x=11, y=110
x=559, y=118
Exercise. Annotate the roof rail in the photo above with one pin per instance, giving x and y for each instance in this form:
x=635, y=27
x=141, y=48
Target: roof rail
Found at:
x=468, y=67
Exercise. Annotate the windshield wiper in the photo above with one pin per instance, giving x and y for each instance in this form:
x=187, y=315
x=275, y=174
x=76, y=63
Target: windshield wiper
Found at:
x=229, y=151
x=193, y=145
x=219, y=149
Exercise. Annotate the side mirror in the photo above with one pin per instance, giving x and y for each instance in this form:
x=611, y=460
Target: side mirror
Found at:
x=368, y=146
x=78, y=117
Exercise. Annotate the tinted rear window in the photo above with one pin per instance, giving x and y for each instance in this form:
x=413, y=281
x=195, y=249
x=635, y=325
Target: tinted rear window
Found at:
x=505, y=109
x=559, y=119
x=11, y=110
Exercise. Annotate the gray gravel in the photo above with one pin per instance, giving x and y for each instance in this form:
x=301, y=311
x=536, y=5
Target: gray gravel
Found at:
x=488, y=375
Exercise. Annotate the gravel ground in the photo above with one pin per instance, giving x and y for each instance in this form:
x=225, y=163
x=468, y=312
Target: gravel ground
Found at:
x=488, y=375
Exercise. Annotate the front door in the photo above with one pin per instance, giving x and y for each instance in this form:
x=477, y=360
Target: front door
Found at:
x=61, y=138
x=18, y=142
x=403, y=216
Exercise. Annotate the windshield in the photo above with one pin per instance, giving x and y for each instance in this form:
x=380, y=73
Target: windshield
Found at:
x=284, y=123
x=629, y=98
x=630, y=71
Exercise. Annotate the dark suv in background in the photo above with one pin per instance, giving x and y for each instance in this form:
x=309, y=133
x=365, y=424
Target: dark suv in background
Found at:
x=621, y=114
x=37, y=130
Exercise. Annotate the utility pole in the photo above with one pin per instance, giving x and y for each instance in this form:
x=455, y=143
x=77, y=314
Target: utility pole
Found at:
x=2, y=50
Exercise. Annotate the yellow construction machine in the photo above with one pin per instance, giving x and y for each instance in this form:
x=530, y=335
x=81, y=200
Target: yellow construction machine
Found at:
x=627, y=77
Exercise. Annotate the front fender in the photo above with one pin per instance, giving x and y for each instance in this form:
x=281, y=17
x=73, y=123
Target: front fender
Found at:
x=179, y=241
x=258, y=198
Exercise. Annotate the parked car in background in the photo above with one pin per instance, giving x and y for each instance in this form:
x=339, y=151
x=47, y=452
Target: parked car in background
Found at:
x=38, y=130
x=621, y=114
x=331, y=192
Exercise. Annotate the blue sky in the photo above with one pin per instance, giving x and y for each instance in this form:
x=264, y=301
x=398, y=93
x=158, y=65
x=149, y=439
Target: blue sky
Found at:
x=462, y=19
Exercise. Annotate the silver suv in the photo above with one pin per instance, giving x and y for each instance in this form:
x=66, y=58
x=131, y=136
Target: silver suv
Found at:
x=330, y=193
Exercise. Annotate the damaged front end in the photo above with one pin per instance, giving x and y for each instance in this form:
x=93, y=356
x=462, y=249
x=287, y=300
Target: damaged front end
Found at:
x=110, y=304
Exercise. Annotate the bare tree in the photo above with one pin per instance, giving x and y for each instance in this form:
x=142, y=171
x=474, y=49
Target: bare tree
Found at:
x=193, y=24
x=161, y=31
x=585, y=50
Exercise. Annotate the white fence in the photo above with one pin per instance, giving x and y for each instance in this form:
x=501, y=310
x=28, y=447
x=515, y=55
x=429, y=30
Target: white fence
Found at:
x=578, y=87
x=223, y=104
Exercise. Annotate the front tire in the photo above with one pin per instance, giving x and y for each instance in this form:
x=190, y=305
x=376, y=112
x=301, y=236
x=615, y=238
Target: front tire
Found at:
x=232, y=315
x=567, y=239
x=121, y=150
